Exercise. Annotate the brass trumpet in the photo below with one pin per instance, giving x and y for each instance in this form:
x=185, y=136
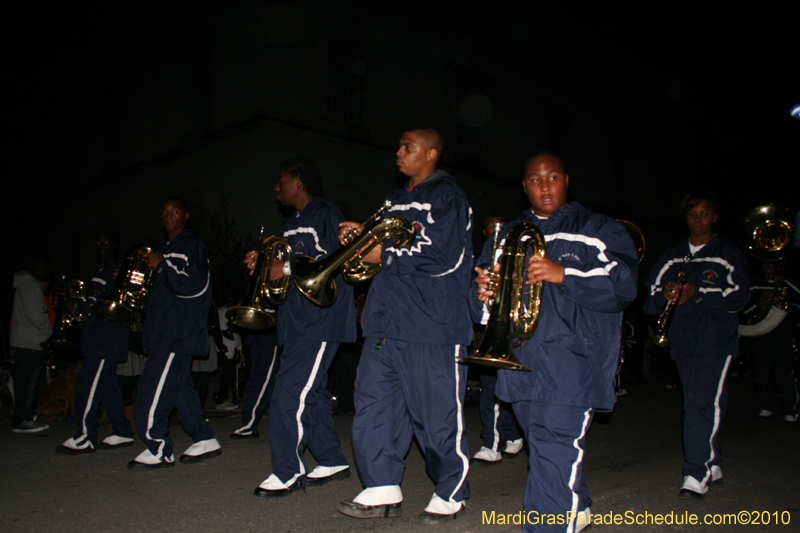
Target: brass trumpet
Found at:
x=315, y=279
x=66, y=315
x=660, y=337
x=131, y=289
x=262, y=291
x=511, y=317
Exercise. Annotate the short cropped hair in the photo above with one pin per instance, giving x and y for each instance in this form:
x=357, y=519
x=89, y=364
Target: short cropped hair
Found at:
x=695, y=197
x=177, y=200
x=433, y=137
x=548, y=153
x=305, y=170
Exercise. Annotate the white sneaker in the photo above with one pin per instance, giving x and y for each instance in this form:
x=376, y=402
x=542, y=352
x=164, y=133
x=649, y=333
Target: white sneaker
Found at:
x=439, y=511
x=765, y=413
x=146, y=461
x=692, y=488
x=385, y=495
x=792, y=419
x=583, y=520
x=323, y=474
x=114, y=441
x=513, y=447
x=375, y=502
x=439, y=506
x=273, y=483
x=716, y=475
x=30, y=426
x=72, y=447
x=72, y=444
x=487, y=456
x=200, y=451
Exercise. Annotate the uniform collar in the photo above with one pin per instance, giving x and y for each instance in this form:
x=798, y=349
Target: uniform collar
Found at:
x=433, y=177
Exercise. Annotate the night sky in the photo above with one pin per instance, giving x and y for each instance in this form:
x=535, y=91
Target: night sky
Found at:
x=716, y=83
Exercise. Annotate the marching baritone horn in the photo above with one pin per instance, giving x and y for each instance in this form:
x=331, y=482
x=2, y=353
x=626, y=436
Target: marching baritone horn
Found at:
x=315, y=279
x=263, y=292
x=131, y=289
x=66, y=315
x=511, y=316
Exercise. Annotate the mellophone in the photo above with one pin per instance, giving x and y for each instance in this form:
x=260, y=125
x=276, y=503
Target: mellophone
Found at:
x=315, y=279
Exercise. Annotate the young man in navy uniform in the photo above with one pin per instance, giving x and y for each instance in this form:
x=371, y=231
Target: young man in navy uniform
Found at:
x=499, y=435
x=589, y=276
x=261, y=382
x=300, y=410
x=175, y=331
x=416, y=323
x=104, y=343
x=704, y=331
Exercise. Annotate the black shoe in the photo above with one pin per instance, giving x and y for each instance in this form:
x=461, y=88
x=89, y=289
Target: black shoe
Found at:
x=147, y=461
x=264, y=493
x=319, y=481
x=687, y=494
x=200, y=451
x=356, y=510
x=66, y=450
x=435, y=518
x=692, y=489
x=243, y=436
x=115, y=441
x=135, y=465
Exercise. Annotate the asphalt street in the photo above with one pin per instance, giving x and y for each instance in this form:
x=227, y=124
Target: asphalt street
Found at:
x=632, y=465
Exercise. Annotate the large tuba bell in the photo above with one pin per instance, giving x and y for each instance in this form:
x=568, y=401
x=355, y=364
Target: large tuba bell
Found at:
x=511, y=316
x=66, y=315
x=636, y=235
x=263, y=292
x=315, y=279
x=766, y=233
x=131, y=289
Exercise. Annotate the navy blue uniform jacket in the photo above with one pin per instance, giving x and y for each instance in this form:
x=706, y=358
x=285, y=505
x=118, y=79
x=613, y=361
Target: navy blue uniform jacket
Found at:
x=708, y=323
x=573, y=354
x=314, y=232
x=421, y=294
x=106, y=339
x=176, y=314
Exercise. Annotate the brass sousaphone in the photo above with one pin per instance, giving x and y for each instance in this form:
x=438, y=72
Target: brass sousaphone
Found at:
x=766, y=233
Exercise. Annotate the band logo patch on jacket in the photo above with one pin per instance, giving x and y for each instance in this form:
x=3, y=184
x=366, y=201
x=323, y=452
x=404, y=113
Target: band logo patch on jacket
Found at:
x=569, y=256
x=709, y=276
x=421, y=240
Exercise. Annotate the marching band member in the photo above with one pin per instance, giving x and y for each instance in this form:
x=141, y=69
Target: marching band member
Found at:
x=416, y=323
x=499, y=435
x=589, y=275
x=104, y=344
x=175, y=330
x=704, y=331
x=300, y=409
x=261, y=382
